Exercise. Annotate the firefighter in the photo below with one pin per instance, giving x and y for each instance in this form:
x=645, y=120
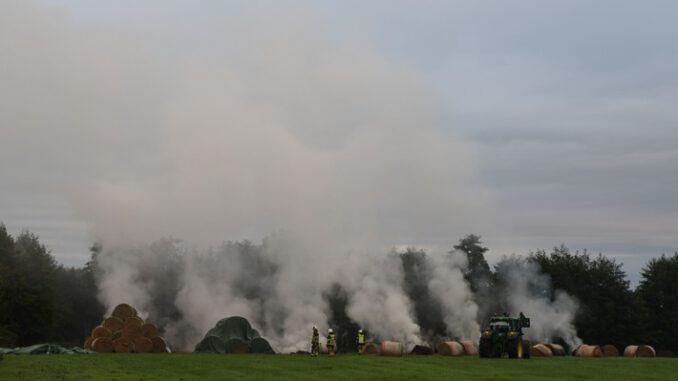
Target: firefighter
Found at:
x=315, y=342
x=360, y=340
x=331, y=342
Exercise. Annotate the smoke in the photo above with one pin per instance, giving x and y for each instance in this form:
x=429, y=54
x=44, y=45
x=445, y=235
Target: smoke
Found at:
x=525, y=289
x=233, y=124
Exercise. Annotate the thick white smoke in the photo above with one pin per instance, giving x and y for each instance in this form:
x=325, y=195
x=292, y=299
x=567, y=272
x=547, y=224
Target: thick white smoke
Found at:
x=527, y=290
x=447, y=283
x=231, y=126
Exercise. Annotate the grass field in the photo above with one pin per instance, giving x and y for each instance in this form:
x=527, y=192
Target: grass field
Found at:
x=342, y=367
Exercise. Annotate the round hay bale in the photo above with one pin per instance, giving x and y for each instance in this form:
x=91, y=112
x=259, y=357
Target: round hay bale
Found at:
x=391, y=348
x=450, y=348
x=142, y=345
x=470, y=348
x=556, y=349
x=149, y=330
x=101, y=331
x=159, y=345
x=123, y=345
x=117, y=335
x=88, y=342
x=609, y=350
x=113, y=324
x=134, y=320
x=540, y=350
x=102, y=345
x=421, y=350
x=123, y=311
x=589, y=351
x=370, y=348
x=639, y=351
x=131, y=331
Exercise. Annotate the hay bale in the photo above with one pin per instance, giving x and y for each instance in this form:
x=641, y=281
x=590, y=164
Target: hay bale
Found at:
x=101, y=331
x=134, y=320
x=639, y=351
x=102, y=345
x=450, y=348
x=391, y=348
x=113, y=324
x=540, y=350
x=117, y=335
x=421, y=350
x=132, y=331
x=609, y=350
x=589, y=351
x=149, y=330
x=556, y=349
x=159, y=345
x=123, y=345
x=88, y=342
x=370, y=348
x=143, y=345
x=470, y=348
x=123, y=311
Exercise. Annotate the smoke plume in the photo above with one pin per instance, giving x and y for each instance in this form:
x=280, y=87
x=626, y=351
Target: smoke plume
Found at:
x=241, y=123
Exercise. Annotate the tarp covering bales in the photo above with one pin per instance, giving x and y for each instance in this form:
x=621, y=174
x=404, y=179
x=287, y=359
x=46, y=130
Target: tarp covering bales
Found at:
x=44, y=349
x=233, y=335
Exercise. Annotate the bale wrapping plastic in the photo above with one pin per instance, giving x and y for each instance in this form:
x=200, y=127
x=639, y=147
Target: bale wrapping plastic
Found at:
x=540, y=350
x=589, y=351
x=470, y=348
x=391, y=348
x=609, y=350
x=556, y=349
x=450, y=348
x=102, y=345
x=370, y=348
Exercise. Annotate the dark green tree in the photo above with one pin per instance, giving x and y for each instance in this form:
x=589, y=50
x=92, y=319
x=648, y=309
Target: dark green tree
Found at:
x=417, y=274
x=609, y=312
x=478, y=275
x=658, y=291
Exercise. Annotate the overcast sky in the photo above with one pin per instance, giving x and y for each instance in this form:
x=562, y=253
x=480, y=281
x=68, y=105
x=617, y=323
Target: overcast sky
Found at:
x=534, y=122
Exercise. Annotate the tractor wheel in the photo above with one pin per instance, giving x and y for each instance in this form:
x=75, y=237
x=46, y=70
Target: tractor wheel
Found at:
x=512, y=348
x=527, y=346
x=485, y=347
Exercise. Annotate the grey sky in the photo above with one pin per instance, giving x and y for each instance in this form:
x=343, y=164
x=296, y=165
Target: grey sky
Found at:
x=567, y=109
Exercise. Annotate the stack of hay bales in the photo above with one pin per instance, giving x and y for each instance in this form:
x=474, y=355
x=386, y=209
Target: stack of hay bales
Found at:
x=125, y=332
x=639, y=351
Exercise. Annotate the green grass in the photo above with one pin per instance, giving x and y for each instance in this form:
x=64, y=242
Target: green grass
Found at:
x=342, y=367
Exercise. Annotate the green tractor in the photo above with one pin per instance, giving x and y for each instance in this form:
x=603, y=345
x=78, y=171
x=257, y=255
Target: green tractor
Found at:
x=503, y=335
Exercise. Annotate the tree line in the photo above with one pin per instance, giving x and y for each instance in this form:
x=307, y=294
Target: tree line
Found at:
x=43, y=301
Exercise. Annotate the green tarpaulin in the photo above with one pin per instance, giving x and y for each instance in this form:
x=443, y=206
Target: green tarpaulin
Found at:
x=233, y=335
x=44, y=349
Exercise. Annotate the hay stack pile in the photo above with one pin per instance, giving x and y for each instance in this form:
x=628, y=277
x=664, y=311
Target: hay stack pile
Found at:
x=457, y=348
x=125, y=332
